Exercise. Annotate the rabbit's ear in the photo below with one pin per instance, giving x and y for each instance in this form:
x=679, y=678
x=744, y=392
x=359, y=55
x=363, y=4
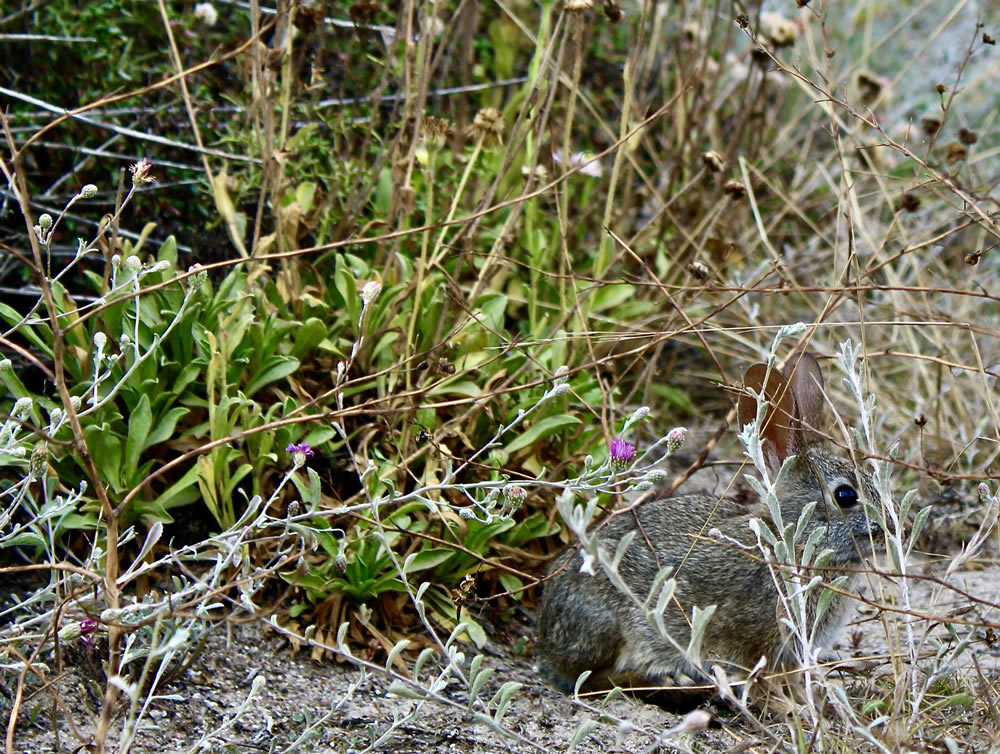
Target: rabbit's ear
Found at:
x=806, y=380
x=778, y=430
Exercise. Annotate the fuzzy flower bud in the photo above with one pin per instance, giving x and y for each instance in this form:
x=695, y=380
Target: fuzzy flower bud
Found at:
x=206, y=14
x=133, y=264
x=45, y=221
x=100, y=340
x=560, y=375
x=515, y=496
x=676, y=438
x=89, y=191
x=161, y=266
x=39, y=463
x=116, y=260
x=55, y=416
x=561, y=389
x=639, y=414
x=6, y=365
x=370, y=292
x=75, y=402
x=71, y=631
x=22, y=407
x=656, y=476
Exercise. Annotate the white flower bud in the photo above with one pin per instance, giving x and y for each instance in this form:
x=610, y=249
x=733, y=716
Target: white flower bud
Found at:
x=74, y=401
x=115, y=260
x=370, y=292
x=45, y=221
x=163, y=264
x=640, y=413
x=100, y=340
x=6, y=365
x=89, y=191
x=133, y=264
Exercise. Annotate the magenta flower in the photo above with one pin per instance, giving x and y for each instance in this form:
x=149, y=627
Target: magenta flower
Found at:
x=622, y=453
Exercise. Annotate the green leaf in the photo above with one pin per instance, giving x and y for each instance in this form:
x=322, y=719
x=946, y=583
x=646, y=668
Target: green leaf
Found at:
x=138, y=430
x=547, y=426
x=610, y=296
x=455, y=386
x=165, y=428
x=308, y=336
x=274, y=368
x=428, y=558
x=106, y=450
x=168, y=251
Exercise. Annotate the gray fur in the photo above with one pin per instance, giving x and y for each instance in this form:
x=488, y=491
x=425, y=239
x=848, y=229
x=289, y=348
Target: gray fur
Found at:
x=586, y=623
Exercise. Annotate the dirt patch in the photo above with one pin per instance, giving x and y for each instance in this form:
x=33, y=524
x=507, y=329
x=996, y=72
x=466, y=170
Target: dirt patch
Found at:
x=336, y=707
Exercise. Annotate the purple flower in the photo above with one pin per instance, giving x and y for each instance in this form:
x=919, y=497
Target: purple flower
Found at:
x=300, y=453
x=622, y=453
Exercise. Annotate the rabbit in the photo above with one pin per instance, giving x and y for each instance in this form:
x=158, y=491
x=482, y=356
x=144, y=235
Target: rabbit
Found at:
x=586, y=623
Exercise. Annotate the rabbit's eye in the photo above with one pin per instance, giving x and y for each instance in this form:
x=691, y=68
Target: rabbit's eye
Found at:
x=846, y=496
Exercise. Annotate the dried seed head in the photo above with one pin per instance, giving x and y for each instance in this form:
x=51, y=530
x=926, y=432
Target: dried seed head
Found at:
x=578, y=6
x=871, y=87
x=307, y=19
x=734, y=189
x=973, y=258
x=692, y=32
x=537, y=177
x=436, y=132
x=967, y=137
x=714, y=161
x=778, y=30
x=930, y=124
x=956, y=153
x=699, y=269
x=407, y=196
x=363, y=12
x=613, y=11
x=743, y=20
x=909, y=202
x=988, y=40
x=488, y=128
